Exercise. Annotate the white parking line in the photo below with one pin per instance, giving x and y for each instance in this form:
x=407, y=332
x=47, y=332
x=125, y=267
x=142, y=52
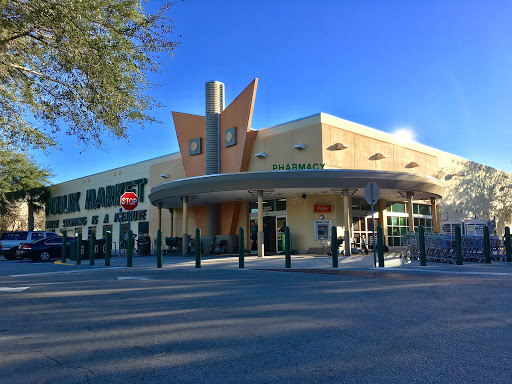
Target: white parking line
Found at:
x=58, y=272
x=11, y=289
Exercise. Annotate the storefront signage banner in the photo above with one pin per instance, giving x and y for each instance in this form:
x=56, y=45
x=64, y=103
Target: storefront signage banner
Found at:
x=140, y=215
x=322, y=208
x=297, y=166
x=108, y=196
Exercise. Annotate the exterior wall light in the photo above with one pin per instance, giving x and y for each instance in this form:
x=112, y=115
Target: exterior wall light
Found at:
x=165, y=175
x=300, y=147
x=459, y=174
x=378, y=156
x=412, y=164
x=261, y=155
x=340, y=146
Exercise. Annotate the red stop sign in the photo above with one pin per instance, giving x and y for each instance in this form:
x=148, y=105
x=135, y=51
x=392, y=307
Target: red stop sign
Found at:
x=129, y=201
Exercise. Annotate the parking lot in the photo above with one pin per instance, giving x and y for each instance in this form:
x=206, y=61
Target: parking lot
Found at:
x=262, y=324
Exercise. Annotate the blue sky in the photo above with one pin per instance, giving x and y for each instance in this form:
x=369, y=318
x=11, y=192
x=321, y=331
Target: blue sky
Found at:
x=442, y=69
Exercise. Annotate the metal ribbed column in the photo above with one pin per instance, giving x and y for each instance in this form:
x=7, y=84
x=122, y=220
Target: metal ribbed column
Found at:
x=214, y=105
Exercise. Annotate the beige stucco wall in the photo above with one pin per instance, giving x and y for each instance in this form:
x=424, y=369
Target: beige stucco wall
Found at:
x=173, y=167
x=363, y=144
x=278, y=144
x=476, y=194
x=102, y=179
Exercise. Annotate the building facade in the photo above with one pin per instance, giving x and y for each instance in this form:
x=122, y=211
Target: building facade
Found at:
x=309, y=174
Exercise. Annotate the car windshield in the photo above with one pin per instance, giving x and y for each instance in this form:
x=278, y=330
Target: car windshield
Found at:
x=14, y=236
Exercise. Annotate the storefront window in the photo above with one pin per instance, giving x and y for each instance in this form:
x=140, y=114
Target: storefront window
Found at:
x=91, y=230
x=426, y=210
x=268, y=206
x=398, y=208
x=281, y=205
x=122, y=235
x=143, y=228
x=107, y=228
x=365, y=206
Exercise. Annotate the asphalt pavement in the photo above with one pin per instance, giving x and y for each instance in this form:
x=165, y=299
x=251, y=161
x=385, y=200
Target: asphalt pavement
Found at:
x=262, y=324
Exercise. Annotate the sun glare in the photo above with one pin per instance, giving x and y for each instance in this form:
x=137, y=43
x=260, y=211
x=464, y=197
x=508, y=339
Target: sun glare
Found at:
x=405, y=135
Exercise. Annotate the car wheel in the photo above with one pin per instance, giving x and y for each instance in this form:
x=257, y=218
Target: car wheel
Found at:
x=44, y=256
x=13, y=254
x=17, y=256
x=8, y=257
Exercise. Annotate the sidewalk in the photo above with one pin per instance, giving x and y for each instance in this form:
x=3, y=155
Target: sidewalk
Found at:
x=392, y=262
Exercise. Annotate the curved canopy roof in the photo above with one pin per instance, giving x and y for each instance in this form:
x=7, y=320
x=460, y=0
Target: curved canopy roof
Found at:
x=242, y=186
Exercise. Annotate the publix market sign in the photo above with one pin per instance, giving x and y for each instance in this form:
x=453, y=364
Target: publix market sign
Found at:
x=297, y=166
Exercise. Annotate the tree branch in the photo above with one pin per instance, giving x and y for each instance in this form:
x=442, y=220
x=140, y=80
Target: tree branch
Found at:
x=8, y=39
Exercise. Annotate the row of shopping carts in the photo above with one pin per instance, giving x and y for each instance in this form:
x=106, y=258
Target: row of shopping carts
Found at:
x=441, y=248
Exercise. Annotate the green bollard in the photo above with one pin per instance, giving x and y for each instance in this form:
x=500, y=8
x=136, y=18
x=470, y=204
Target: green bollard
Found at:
x=241, y=263
x=64, y=246
x=72, y=250
x=508, y=247
x=487, y=246
x=380, y=246
x=458, y=245
x=334, y=247
x=92, y=245
x=198, y=248
x=129, y=251
x=108, y=249
x=79, y=249
x=159, y=248
x=421, y=241
x=287, y=246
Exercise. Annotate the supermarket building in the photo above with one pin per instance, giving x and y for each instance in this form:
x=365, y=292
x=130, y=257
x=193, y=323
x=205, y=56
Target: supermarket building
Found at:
x=309, y=174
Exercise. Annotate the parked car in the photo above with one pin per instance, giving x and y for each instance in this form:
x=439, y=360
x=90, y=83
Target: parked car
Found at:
x=10, y=241
x=43, y=249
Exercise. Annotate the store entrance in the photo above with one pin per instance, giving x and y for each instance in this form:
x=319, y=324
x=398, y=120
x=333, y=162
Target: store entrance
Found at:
x=362, y=227
x=273, y=231
x=274, y=222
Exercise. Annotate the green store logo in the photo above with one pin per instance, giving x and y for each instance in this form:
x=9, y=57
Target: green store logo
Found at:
x=297, y=166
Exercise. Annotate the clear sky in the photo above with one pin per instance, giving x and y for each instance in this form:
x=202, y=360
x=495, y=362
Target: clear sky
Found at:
x=442, y=69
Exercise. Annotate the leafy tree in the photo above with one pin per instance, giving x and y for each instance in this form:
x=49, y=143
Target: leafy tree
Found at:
x=21, y=180
x=78, y=64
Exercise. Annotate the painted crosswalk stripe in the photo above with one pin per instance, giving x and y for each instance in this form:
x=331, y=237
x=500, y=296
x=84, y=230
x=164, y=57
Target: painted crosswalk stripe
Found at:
x=59, y=272
x=13, y=289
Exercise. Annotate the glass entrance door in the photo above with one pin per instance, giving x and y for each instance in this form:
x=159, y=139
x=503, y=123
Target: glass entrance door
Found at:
x=362, y=226
x=273, y=231
x=280, y=224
